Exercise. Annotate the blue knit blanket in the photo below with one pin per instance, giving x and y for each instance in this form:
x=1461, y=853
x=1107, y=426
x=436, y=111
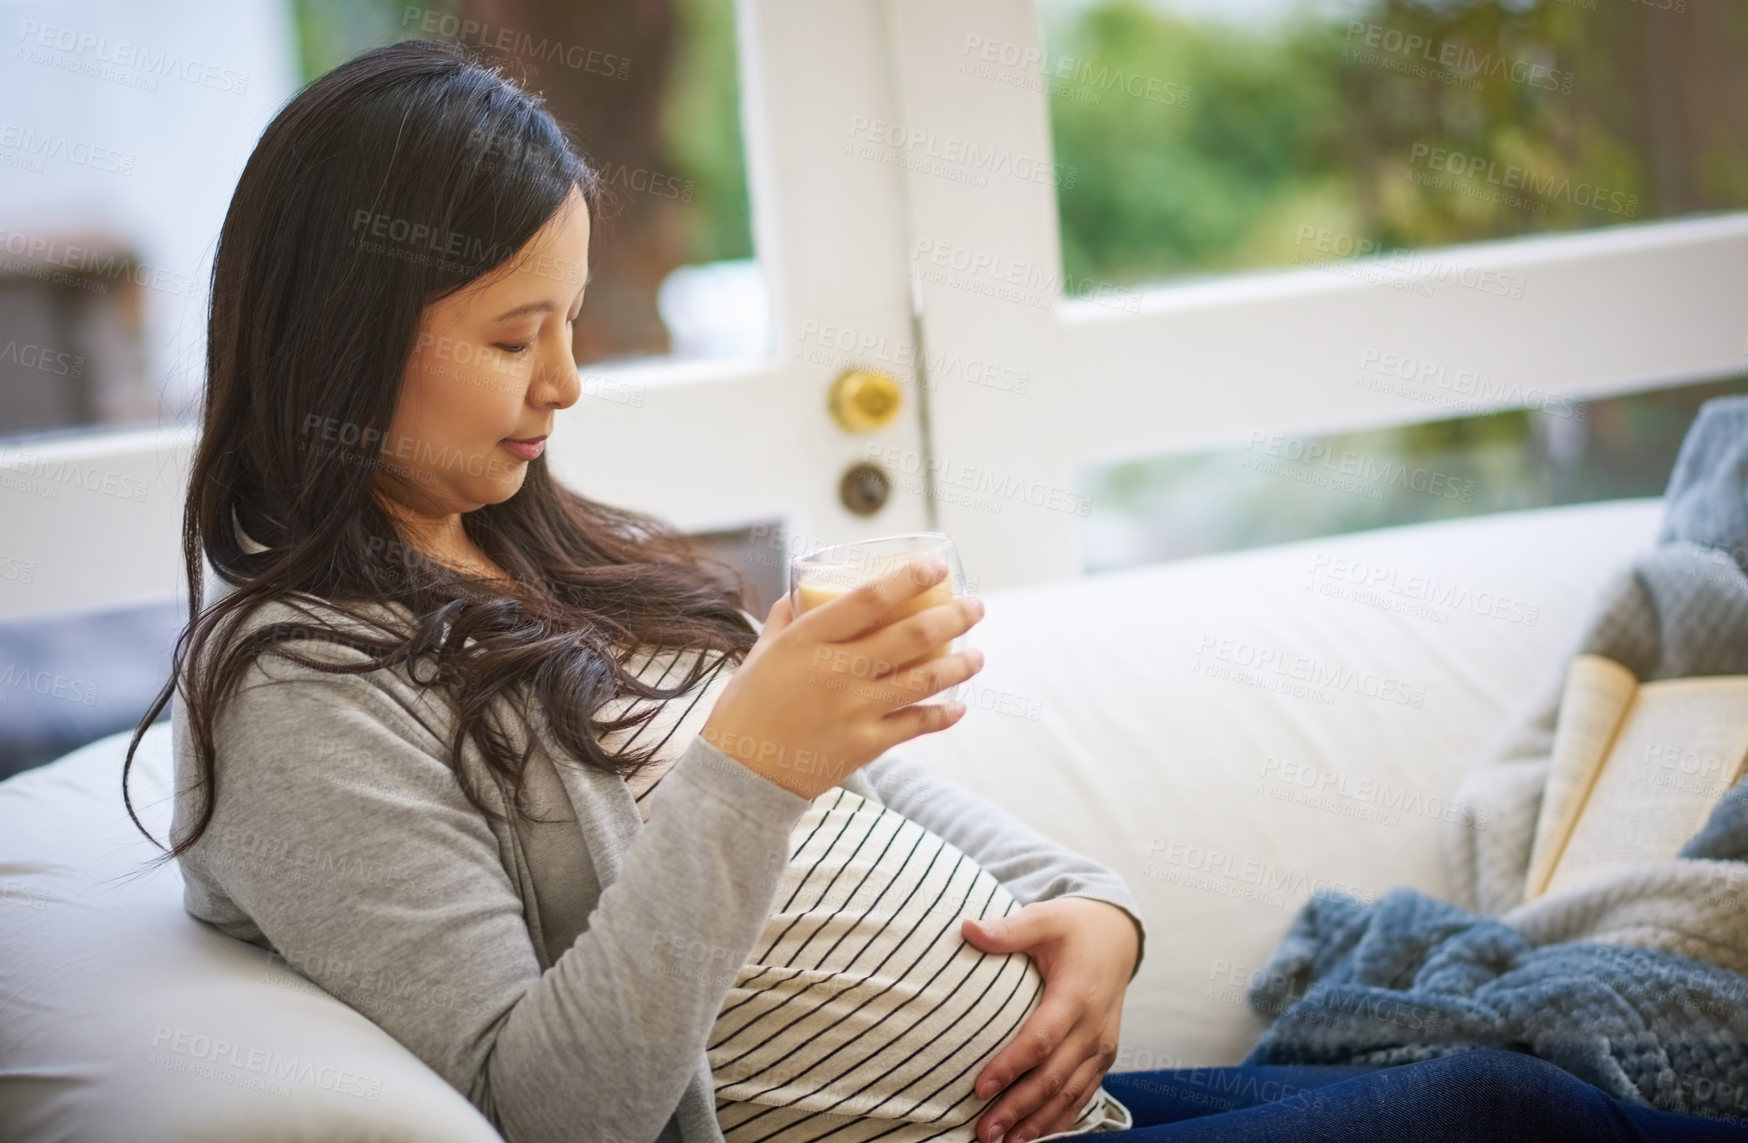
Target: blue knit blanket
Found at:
x=1410, y=977
x=1634, y=981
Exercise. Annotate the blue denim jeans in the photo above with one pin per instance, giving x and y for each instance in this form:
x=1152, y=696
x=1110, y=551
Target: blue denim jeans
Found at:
x=1473, y=1097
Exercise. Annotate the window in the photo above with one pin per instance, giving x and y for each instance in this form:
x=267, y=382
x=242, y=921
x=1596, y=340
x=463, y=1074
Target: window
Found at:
x=117, y=175
x=1207, y=136
x=1201, y=138
x=1279, y=487
x=649, y=94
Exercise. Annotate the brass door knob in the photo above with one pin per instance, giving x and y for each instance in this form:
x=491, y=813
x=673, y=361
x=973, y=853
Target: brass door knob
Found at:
x=863, y=400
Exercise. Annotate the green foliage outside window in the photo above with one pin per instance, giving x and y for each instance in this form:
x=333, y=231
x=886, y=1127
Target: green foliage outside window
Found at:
x=1354, y=126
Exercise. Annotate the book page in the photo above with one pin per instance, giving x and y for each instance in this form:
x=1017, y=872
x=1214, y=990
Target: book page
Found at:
x=1682, y=746
x=1598, y=693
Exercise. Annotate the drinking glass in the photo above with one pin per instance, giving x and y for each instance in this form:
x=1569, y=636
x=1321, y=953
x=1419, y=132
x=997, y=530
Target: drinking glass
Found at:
x=826, y=573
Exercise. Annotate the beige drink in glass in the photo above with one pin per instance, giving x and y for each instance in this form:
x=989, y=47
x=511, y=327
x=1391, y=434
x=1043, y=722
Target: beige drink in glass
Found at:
x=826, y=573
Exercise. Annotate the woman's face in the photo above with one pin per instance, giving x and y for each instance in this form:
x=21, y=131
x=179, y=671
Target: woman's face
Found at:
x=492, y=365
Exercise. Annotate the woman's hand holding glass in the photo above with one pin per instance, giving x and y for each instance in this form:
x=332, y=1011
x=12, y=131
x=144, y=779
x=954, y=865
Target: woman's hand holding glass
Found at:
x=824, y=693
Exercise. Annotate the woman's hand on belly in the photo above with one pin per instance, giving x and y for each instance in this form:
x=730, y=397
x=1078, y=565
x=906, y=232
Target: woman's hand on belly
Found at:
x=1085, y=950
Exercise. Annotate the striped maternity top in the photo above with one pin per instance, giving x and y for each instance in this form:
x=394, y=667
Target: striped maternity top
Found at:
x=862, y=1012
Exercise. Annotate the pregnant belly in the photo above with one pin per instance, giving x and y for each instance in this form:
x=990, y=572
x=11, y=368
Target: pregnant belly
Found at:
x=862, y=1012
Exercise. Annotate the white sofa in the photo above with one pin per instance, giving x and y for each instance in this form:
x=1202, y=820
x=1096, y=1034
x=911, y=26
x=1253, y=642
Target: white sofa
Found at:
x=1228, y=733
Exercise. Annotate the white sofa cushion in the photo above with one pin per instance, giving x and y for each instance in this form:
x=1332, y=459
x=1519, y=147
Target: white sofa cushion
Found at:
x=121, y=1017
x=1106, y=717
x=1140, y=759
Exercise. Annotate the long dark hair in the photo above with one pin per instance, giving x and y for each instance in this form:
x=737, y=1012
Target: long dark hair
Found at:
x=303, y=330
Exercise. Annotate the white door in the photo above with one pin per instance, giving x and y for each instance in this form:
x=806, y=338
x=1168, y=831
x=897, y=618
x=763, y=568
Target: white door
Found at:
x=1028, y=387
x=706, y=445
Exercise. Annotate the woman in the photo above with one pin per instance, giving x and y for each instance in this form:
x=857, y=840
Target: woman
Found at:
x=431, y=746
x=430, y=740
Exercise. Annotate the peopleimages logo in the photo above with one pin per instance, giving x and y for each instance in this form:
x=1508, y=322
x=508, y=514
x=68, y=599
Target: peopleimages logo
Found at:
x=967, y=153
x=1265, y=875
x=105, y=58
x=1065, y=73
x=1373, y=583
x=1463, y=389
x=41, y=253
x=33, y=472
x=1454, y=57
x=949, y=473
x=1513, y=177
x=1415, y=270
x=38, y=145
x=1377, y=471
x=41, y=359
x=17, y=680
x=214, y=1057
x=843, y=346
x=490, y=37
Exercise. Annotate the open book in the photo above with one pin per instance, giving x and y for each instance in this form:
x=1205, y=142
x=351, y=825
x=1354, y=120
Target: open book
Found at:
x=1637, y=769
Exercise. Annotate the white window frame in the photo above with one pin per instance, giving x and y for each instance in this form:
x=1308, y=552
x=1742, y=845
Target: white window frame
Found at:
x=1211, y=363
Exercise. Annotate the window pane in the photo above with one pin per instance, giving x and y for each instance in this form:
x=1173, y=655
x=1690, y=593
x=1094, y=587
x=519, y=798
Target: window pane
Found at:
x=123, y=130
x=115, y=173
x=1206, y=135
x=1276, y=487
x=650, y=94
